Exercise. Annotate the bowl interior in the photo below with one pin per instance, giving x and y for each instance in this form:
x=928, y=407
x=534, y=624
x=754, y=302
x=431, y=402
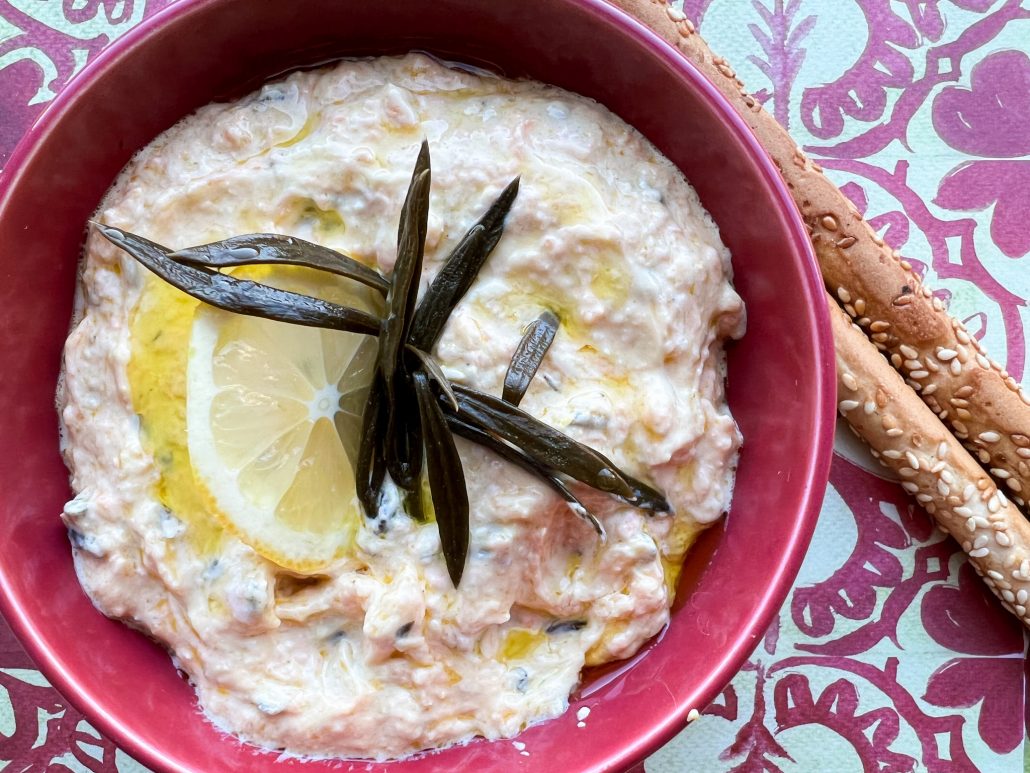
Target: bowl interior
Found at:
x=198, y=50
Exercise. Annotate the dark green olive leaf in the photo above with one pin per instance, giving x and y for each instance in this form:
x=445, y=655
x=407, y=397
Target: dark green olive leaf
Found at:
x=554, y=449
x=446, y=480
x=240, y=295
x=547, y=445
x=433, y=370
x=403, y=444
x=253, y=249
x=400, y=300
x=528, y=356
x=460, y=270
x=519, y=459
x=370, y=470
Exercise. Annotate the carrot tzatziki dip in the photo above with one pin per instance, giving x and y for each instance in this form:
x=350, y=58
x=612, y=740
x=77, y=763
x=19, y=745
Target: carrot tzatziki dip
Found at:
x=214, y=455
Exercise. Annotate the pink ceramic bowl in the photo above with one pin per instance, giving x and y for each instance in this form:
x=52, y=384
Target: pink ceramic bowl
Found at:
x=780, y=376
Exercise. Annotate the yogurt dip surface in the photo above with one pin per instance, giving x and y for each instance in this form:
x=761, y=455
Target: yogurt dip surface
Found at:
x=372, y=652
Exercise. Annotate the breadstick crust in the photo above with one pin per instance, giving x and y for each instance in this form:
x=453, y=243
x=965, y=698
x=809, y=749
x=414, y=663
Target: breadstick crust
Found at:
x=983, y=405
x=945, y=479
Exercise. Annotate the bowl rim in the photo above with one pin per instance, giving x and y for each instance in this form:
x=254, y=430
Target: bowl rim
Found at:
x=811, y=491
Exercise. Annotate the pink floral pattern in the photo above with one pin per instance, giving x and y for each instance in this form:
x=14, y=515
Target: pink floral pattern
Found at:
x=888, y=655
x=991, y=119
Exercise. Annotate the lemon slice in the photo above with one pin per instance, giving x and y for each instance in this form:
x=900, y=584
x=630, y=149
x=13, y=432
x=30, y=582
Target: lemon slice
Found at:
x=273, y=418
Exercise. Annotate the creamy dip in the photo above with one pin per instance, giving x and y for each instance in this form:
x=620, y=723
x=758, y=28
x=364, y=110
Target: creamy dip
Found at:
x=376, y=654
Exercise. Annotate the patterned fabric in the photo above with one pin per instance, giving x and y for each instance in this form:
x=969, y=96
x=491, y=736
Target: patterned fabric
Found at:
x=888, y=654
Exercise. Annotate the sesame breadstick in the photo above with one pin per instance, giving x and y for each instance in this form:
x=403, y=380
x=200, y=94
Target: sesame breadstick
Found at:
x=945, y=479
x=983, y=405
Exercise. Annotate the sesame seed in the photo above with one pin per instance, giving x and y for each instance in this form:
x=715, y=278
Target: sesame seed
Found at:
x=675, y=14
x=948, y=477
x=890, y=453
x=937, y=305
x=983, y=456
x=1024, y=452
x=965, y=391
x=848, y=405
x=850, y=310
x=869, y=407
x=931, y=508
x=693, y=715
x=1003, y=539
x=830, y=224
x=913, y=364
x=971, y=525
x=979, y=552
x=1024, y=567
x=958, y=402
x=923, y=498
x=960, y=333
x=959, y=427
x=997, y=472
x=908, y=351
x=943, y=488
x=1008, y=595
x=859, y=303
x=902, y=300
x=913, y=460
x=1021, y=596
x=980, y=541
x=1021, y=440
x=984, y=362
x=1020, y=610
x=946, y=354
x=990, y=436
x=932, y=365
x=895, y=432
x=968, y=491
x=956, y=368
x=942, y=450
x=917, y=374
x=1014, y=484
x=993, y=573
x=863, y=321
x=906, y=472
x=993, y=504
x=849, y=381
x=982, y=522
x=844, y=295
x=880, y=326
x=965, y=512
x=938, y=467
x=880, y=338
x=910, y=487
